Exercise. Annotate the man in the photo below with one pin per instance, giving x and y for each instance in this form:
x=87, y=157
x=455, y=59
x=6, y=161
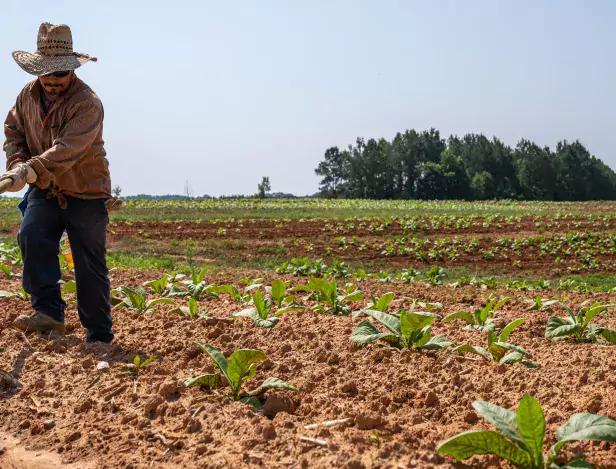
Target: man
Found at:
x=54, y=142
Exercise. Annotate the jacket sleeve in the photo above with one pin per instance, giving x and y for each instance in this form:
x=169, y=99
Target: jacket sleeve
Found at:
x=15, y=146
x=76, y=136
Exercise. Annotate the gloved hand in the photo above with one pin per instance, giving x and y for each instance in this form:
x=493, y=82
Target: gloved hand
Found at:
x=113, y=205
x=20, y=175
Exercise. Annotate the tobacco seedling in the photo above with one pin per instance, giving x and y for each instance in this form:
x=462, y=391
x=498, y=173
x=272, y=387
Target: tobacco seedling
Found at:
x=241, y=367
x=262, y=313
x=332, y=299
x=278, y=292
x=540, y=304
x=499, y=351
x=165, y=287
x=191, y=311
x=381, y=303
x=480, y=320
x=520, y=437
x=137, y=365
x=233, y=292
x=404, y=330
x=7, y=272
x=20, y=294
x=137, y=300
x=577, y=326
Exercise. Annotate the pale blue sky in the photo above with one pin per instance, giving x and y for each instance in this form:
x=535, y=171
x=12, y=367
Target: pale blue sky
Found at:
x=224, y=92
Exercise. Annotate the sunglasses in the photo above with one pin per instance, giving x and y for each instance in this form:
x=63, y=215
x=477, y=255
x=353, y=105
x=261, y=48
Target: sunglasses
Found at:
x=58, y=74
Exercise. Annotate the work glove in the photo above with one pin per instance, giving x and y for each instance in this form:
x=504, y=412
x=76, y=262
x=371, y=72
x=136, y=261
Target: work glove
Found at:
x=20, y=175
x=113, y=205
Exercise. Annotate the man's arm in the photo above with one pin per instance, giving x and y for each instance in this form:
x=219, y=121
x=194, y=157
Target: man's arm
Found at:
x=75, y=138
x=15, y=146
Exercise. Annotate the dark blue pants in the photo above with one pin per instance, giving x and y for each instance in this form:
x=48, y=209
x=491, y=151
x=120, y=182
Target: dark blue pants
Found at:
x=85, y=222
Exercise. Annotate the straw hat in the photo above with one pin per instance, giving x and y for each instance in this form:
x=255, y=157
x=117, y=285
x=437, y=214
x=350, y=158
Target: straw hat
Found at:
x=54, y=52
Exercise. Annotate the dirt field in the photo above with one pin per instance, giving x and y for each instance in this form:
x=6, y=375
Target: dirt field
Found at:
x=399, y=405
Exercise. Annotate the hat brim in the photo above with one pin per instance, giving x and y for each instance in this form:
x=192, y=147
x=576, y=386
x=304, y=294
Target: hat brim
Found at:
x=39, y=64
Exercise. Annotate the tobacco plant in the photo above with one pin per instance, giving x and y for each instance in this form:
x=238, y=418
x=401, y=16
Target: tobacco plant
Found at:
x=540, y=304
x=404, y=330
x=577, y=326
x=520, y=437
x=241, y=367
x=137, y=300
x=263, y=313
x=480, y=320
x=332, y=300
x=191, y=311
x=499, y=350
x=166, y=287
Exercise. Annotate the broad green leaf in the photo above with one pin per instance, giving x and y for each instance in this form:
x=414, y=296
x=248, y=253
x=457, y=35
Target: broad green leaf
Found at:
x=421, y=338
x=578, y=464
x=609, y=335
x=160, y=301
x=193, y=307
x=511, y=358
x=69, y=287
x=437, y=342
x=509, y=328
x=585, y=427
x=557, y=328
x=572, y=315
x=251, y=400
x=136, y=360
x=259, y=302
x=468, y=444
x=465, y=348
x=355, y=296
x=468, y=317
x=497, y=351
x=413, y=322
x=528, y=364
x=240, y=363
x=286, y=309
x=247, y=313
x=278, y=291
x=366, y=332
x=592, y=312
x=181, y=310
x=502, y=419
x=213, y=381
x=218, y=358
x=513, y=348
x=272, y=383
x=383, y=301
x=267, y=323
x=531, y=425
x=388, y=320
x=147, y=361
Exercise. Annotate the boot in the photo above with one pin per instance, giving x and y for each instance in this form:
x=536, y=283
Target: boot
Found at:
x=38, y=322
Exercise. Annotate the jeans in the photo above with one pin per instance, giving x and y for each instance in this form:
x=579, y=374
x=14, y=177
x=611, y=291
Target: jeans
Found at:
x=85, y=222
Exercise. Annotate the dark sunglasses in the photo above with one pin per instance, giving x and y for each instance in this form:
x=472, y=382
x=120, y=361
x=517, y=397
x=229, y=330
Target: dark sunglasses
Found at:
x=58, y=74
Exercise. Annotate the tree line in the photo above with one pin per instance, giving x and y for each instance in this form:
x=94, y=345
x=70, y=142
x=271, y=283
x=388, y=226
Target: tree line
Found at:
x=422, y=165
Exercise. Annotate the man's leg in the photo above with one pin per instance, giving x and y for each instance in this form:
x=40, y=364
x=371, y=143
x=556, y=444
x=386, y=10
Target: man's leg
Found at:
x=39, y=239
x=86, y=224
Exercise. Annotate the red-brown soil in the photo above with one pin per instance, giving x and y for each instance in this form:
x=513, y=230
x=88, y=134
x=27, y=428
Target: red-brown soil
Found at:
x=400, y=404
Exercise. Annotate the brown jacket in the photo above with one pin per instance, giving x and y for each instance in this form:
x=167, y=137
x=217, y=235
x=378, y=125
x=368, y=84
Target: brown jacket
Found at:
x=67, y=153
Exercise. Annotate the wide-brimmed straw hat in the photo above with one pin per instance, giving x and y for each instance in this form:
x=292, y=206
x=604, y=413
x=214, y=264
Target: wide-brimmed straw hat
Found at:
x=54, y=52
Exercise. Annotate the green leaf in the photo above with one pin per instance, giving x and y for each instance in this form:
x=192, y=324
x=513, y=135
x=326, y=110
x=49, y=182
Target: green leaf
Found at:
x=609, y=335
x=465, y=348
x=69, y=287
x=159, y=301
x=528, y=364
x=509, y=328
x=413, y=322
x=468, y=317
x=240, y=363
x=467, y=444
x=278, y=292
x=273, y=383
x=557, y=328
x=592, y=312
x=286, y=309
x=388, y=320
x=251, y=400
x=136, y=360
x=383, y=301
x=420, y=338
x=437, y=342
x=267, y=323
x=212, y=381
x=355, y=296
x=218, y=358
x=511, y=358
x=578, y=464
x=531, y=425
x=193, y=307
x=147, y=361
x=366, y=332
x=585, y=427
x=497, y=351
x=259, y=302
x=503, y=419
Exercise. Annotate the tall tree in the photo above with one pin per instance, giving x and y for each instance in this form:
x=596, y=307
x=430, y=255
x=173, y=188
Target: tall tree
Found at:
x=331, y=170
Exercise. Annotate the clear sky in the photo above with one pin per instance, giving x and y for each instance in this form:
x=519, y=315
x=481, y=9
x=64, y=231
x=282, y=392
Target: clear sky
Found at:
x=220, y=93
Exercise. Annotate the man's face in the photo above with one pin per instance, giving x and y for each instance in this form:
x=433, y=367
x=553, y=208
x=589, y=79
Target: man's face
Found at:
x=54, y=86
